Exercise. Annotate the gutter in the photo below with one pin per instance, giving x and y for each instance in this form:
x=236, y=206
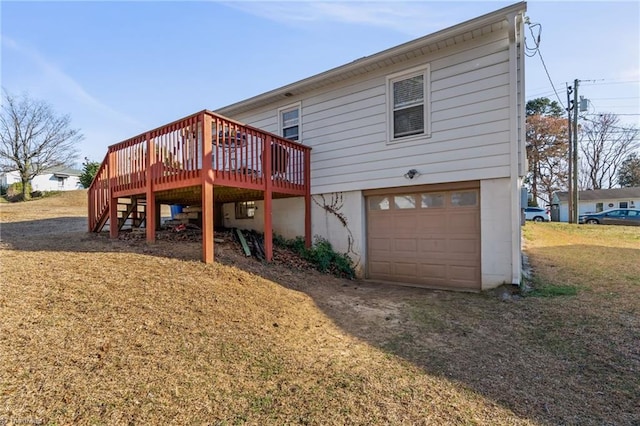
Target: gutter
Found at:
x=516, y=26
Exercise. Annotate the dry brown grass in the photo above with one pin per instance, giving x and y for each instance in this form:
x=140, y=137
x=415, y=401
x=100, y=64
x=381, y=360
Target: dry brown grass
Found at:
x=96, y=331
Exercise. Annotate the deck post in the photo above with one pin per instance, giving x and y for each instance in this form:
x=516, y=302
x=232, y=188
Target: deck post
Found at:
x=113, y=202
x=268, y=228
x=307, y=198
x=207, y=177
x=91, y=209
x=150, y=209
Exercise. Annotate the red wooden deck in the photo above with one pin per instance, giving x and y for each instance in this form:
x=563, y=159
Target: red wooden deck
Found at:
x=172, y=165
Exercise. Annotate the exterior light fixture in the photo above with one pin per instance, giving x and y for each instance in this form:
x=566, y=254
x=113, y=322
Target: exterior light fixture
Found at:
x=411, y=174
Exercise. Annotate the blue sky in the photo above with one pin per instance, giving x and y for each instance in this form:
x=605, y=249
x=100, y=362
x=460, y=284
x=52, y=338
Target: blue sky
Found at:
x=121, y=68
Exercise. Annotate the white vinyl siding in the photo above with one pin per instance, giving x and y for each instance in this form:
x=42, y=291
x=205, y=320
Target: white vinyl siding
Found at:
x=347, y=125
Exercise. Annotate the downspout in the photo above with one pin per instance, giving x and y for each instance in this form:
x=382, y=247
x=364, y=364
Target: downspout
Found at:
x=515, y=23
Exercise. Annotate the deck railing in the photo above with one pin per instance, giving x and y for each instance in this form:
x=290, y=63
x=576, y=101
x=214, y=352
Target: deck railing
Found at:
x=99, y=195
x=171, y=157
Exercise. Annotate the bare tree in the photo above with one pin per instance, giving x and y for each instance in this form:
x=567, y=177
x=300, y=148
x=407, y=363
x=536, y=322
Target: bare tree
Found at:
x=33, y=138
x=604, y=145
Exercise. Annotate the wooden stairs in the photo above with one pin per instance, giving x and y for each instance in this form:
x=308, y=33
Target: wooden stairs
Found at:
x=131, y=213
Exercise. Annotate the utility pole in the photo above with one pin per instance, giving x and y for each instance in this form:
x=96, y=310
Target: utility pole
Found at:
x=570, y=177
x=575, y=151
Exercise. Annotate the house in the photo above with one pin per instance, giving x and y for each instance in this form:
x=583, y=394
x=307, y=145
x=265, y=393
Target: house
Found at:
x=53, y=179
x=410, y=160
x=417, y=155
x=594, y=200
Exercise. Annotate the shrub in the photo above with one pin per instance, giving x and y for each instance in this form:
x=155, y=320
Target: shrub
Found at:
x=14, y=192
x=320, y=254
x=89, y=170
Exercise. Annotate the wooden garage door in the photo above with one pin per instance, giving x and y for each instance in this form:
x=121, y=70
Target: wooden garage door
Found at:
x=429, y=239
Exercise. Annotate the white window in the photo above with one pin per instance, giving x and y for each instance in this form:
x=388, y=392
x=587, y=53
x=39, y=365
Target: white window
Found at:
x=289, y=118
x=408, y=101
x=245, y=209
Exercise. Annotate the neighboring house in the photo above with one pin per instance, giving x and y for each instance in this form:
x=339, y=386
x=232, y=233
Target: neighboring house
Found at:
x=54, y=179
x=9, y=178
x=595, y=200
x=418, y=156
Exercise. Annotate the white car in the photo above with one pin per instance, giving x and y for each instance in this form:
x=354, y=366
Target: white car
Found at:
x=537, y=214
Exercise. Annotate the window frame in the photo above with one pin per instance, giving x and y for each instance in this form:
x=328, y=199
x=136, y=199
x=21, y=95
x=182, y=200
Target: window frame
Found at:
x=241, y=209
x=425, y=71
x=281, y=127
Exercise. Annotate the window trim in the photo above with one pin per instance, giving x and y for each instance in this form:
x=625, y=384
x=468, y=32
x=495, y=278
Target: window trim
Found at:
x=425, y=71
x=238, y=209
x=287, y=108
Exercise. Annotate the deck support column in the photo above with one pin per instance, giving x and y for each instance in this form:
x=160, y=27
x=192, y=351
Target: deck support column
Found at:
x=268, y=205
x=113, y=201
x=208, y=208
x=151, y=207
x=113, y=217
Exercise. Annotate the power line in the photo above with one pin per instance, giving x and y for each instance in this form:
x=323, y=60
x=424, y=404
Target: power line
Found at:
x=549, y=77
x=536, y=50
x=622, y=97
x=621, y=129
x=614, y=82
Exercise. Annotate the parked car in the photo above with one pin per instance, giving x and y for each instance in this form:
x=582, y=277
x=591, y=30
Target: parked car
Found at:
x=537, y=214
x=612, y=217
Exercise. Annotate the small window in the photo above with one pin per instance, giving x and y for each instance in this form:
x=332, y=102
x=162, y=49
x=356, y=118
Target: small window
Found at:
x=624, y=205
x=379, y=203
x=290, y=122
x=430, y=201
x=599, y=207
x=404, y=201
x=408, y=106
x=464, y=198
x=245, y=209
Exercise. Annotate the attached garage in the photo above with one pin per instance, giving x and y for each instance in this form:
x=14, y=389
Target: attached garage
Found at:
x=427, y=236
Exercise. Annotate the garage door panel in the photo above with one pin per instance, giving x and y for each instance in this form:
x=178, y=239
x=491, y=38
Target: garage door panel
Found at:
x=464, y=222
x=431, y=223
x=404, y=223
x=378, y=222
x=432, y=271
x=405, y=245
x=380, y=268
x=465, y=246
x=462, y=272
x=406, y=270
x=426, y=244
x=380, y=244
x=432, y=245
